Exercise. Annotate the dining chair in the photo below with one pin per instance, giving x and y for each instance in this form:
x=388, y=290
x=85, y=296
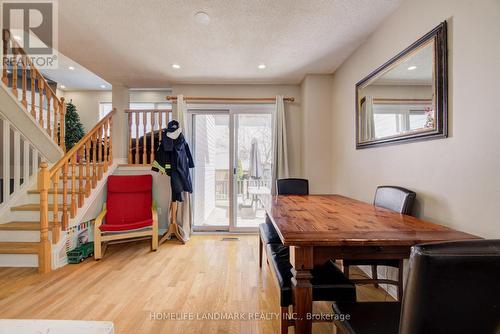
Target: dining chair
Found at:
x=267, y=232
x=397, y=199
x=452, y=287
x=328, y=282
x=292, y=186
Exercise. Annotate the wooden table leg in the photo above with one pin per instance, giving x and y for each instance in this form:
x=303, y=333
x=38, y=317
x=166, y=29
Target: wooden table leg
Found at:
x=302, y=260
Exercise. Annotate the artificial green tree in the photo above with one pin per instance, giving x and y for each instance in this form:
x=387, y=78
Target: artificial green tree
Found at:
x=74, y=130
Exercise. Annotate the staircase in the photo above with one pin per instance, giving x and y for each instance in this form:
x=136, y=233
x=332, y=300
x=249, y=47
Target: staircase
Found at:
x=48, y=187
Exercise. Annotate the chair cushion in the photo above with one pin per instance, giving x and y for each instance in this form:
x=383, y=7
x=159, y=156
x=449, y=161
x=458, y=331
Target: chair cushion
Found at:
x=368, y=317
x=380, y=262
x=329, y=283
x=126, y=227
x=268, y=233
x=129, y=199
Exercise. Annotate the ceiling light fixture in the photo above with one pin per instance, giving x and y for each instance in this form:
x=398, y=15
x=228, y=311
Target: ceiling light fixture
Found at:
x=411, y=68
x=202, y=18
x=17, y=38
x=63, y=87
x=262, y=66
x=103, y=86
x=176, y=66
x=71, y=68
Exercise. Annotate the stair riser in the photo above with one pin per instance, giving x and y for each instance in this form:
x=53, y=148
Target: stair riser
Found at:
x=29, y=216
x=35, y=198
x=19, y=236
x=19, y=260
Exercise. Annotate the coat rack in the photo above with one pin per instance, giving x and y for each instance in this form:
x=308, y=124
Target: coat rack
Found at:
x=174, y=230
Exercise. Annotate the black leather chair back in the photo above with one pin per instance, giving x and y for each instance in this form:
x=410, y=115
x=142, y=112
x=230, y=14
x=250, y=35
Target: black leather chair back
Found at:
x=453, y=287
x=395, y=198
x=292, y=186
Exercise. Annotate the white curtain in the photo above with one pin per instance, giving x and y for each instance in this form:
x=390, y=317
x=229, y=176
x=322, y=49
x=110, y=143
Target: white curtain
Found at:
x=184, y=214
x=367, y=119
x=182, y=117
x=280, y=155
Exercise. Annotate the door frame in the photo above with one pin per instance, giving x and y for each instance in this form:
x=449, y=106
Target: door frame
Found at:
x=231, y=110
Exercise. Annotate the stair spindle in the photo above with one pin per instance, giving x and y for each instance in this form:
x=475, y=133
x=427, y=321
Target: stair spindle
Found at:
x=93, y=139
x=48, y=97
x=152, y=147
x=62, y=124
x=136, y=138
x=110, y=122
x=14, y=71
x=144, y=138
x=55, y=131
x=160, y=124
x=99, y=153
x=33, y=90
x=81, y=188
x=55, y=209
x=64, y=217
x=74, y=159
x=130, y=157
x=24, y=101
x=40, y=101
x=105, y=158
x=87, y=169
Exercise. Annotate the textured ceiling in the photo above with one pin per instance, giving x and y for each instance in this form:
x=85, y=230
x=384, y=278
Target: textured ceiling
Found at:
x=134, y=43
x=422, y=60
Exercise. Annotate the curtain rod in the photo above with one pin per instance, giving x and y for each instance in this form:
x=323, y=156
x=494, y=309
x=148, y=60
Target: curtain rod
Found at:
x=247, y=99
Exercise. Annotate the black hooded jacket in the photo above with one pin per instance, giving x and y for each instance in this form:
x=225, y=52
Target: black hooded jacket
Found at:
x=174, y=158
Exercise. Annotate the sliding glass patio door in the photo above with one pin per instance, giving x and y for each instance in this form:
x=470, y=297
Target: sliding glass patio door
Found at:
x=253, y=162
x=232, y=152
x=212, y=172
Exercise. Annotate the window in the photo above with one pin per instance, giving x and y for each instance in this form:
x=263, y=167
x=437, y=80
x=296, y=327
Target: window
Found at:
x=104, y=109
x=393, y=119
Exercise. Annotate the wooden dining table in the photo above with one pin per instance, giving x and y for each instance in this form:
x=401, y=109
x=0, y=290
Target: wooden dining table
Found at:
x=318, y=228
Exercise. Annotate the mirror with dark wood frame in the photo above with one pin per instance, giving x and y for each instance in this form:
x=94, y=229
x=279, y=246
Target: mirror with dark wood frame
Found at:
x=406, y=98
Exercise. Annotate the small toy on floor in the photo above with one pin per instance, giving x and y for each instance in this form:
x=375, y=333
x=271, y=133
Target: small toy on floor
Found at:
x=81, y=252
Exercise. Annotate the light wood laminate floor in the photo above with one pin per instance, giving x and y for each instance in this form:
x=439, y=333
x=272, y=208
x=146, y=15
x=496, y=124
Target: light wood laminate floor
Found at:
x=205, y=277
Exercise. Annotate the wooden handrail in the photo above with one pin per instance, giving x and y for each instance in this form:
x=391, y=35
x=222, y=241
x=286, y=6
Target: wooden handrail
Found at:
x=88, y=150
x=56, y=107
x=131, y=111
x=80, y=143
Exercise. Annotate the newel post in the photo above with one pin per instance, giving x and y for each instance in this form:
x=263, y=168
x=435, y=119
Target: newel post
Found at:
x=44, y=256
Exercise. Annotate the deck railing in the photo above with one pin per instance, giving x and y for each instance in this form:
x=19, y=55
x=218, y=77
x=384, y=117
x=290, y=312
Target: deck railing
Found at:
x=92, y=155
x=241, y=187
x=32, y=89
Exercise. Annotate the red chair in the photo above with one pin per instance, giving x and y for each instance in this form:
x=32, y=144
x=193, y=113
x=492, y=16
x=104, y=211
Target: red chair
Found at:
x=128, y=213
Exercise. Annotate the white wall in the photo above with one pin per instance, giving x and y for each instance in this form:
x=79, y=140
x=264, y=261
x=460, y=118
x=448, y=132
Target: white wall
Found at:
x=456, y=179
x=317, y=132
x=149, y=95
x=87, y=104
x=87, y=101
